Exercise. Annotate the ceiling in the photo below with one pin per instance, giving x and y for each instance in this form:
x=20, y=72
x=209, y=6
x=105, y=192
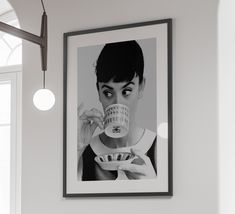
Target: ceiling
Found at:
x=4, y=7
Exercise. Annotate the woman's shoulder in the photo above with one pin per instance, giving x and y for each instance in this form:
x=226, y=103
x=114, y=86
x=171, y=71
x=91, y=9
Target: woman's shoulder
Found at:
x=150, y=133
x=147, y=140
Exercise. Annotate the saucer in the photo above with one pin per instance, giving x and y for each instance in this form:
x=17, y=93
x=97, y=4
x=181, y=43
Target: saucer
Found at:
x=114, y=160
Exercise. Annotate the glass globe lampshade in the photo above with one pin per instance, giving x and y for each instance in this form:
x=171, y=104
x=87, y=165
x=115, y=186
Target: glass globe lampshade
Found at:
x=44, y=99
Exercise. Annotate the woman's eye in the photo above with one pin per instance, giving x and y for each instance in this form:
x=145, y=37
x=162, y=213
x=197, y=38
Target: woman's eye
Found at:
x=126, y=92
x=107, y=94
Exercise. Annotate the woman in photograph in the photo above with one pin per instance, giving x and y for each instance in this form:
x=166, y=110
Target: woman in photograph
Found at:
x=120, y=80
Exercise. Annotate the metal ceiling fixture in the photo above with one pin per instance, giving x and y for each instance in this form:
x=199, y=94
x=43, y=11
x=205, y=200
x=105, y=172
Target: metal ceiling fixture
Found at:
x=43, y=99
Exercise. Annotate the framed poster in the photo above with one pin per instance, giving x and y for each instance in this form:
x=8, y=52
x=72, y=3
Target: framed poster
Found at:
x=118, y=111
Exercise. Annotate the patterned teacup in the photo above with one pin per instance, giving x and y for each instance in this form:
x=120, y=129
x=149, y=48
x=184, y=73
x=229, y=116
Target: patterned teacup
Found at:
x=116, y=120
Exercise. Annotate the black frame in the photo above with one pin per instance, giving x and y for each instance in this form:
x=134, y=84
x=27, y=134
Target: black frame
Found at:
x=170, y=108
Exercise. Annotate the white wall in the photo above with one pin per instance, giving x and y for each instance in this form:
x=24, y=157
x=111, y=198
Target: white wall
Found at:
x=226, y=106
x=195, y=104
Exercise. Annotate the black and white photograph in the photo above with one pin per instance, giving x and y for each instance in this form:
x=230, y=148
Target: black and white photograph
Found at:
x=118, y=111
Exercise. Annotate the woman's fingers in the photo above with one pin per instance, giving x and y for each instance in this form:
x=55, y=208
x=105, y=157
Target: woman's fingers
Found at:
x=92, y=116
x=87, y=124
x=79, y=109
x=142, y=168
x=133, y=168
x=136, y=168
x=91, y=121
x=141, y=155
x=92, y=113
x=93, y=127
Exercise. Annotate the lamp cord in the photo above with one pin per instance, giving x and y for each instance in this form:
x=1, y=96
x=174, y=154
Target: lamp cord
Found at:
x=43, y=6
x=44, y=79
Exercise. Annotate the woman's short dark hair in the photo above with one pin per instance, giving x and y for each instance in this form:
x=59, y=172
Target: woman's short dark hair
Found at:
x=120, y=61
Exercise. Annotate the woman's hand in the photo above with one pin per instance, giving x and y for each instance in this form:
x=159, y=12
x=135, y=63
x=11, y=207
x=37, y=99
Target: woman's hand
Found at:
x=88, y=121
x=140, y=168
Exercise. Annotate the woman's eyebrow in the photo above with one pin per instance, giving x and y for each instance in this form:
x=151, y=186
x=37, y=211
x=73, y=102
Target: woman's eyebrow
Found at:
x=129, y=83
x=111, y=88
x=106, y=86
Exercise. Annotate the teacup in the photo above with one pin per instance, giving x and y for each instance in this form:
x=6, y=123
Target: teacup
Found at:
x=116, y=122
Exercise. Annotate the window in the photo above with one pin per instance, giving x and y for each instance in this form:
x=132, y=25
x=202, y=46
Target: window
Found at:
x=5, y=96
x=10, y=46
x=8, y=146
x=10, y=116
